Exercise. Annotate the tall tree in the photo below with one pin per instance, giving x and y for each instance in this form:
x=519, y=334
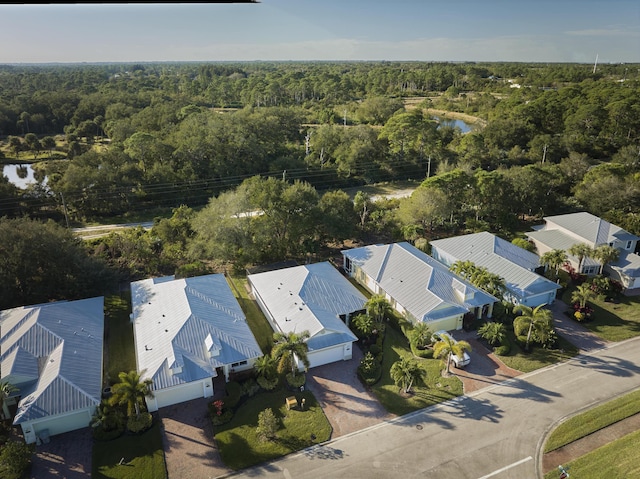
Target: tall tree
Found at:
x=446, y=347
x=405, y=372
x=580, y=251
x=606, y=254
x=554, y=259
x=535, y=321
x=289, y=349
x=131, y=390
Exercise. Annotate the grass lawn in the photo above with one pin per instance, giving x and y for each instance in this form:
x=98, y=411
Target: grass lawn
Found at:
x=259, y=325
x=612, y=321
x=119, y=350
x=593, y=420
x=143, y=456
x=538, y=357
x=615, y=460
x=437, y=389
x=239, y=445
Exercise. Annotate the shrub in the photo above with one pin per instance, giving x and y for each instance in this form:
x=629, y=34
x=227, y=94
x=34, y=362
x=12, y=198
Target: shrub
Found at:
x=225, y=416
x=234, y=394
x=250, y=387
x=426, y=353
x=268, y=424
x=504, y=349
x=267, y=384
x=15, y=459
x=296, y=381
x=101, y=434
x=369, y=369
x=375, y=349
x=139, y=424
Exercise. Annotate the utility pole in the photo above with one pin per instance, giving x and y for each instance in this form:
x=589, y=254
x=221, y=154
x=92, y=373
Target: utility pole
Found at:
x=284, y=175
x=429, y=167
x=64, y=207
x=595, y=64
x=544, y=152
x=306, y=142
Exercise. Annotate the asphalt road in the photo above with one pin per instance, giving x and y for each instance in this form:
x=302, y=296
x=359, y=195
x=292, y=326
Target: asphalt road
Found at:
x=494, y=433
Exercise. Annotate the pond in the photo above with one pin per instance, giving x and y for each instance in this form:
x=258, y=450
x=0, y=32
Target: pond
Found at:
x=465, y=127
x=20, y=175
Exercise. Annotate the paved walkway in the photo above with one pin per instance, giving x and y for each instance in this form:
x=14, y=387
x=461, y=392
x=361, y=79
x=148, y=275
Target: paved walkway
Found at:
x=66, y=456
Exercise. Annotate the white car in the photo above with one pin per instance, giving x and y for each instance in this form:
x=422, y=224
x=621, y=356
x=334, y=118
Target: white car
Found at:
x=457, y=361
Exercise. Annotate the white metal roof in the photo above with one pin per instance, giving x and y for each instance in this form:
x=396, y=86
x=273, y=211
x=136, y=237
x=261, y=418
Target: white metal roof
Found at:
x=53, y=353
x=589, y=228
x=191, y=325
x=416, y=281
x=309, y=298
x=514, y=264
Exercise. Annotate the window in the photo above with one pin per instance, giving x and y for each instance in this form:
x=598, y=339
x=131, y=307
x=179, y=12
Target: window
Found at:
x=629, y=243
x=241, y=363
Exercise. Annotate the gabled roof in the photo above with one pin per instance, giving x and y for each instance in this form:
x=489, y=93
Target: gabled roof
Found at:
x=53, y=353
x=590, y=229
x=416, y=281
x=310, y=298
x=628, y=263
x=514, y=264
x=190, y=326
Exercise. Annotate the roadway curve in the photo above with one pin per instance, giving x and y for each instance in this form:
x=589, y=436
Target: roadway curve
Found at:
x=495, y=433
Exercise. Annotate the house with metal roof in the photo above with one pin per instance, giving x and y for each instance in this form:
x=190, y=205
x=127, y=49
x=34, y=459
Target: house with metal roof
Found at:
x=187, y=332
x=418, y=286
x=517, y=266
x=314, y=298
x=52, y=354
x=563, y=231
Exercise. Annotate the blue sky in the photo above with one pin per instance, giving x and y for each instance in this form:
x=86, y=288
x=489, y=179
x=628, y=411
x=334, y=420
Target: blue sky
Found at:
x=423, y=30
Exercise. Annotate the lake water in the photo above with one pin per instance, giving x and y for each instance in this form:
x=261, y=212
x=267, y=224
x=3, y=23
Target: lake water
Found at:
x=11, y=172
x=465, y=127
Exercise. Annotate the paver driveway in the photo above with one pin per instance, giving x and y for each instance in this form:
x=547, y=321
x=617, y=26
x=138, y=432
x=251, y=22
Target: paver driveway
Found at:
x=188, y=441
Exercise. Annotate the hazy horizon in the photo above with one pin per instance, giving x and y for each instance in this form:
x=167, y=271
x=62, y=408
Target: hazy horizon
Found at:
x=525, y=31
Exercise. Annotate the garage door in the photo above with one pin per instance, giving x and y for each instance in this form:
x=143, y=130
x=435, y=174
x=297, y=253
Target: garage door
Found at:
x=186, y=392
x=62, y=424
x=326, y=356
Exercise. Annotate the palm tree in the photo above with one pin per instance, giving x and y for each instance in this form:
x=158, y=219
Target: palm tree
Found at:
x=490, y=282
x=446, y=347
x=606, y=254
x=378, y=307
x=266, y=366
x=420, y=335
x=493, y=332
x=554, y=259
x=107, y=416
x=6, y=388
x=582, y=294
x=131, y=390
x=405, y=372
x=466, y=268
x=364, y=324
x=580, y=251
x=288, y=347
x=533, y=319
